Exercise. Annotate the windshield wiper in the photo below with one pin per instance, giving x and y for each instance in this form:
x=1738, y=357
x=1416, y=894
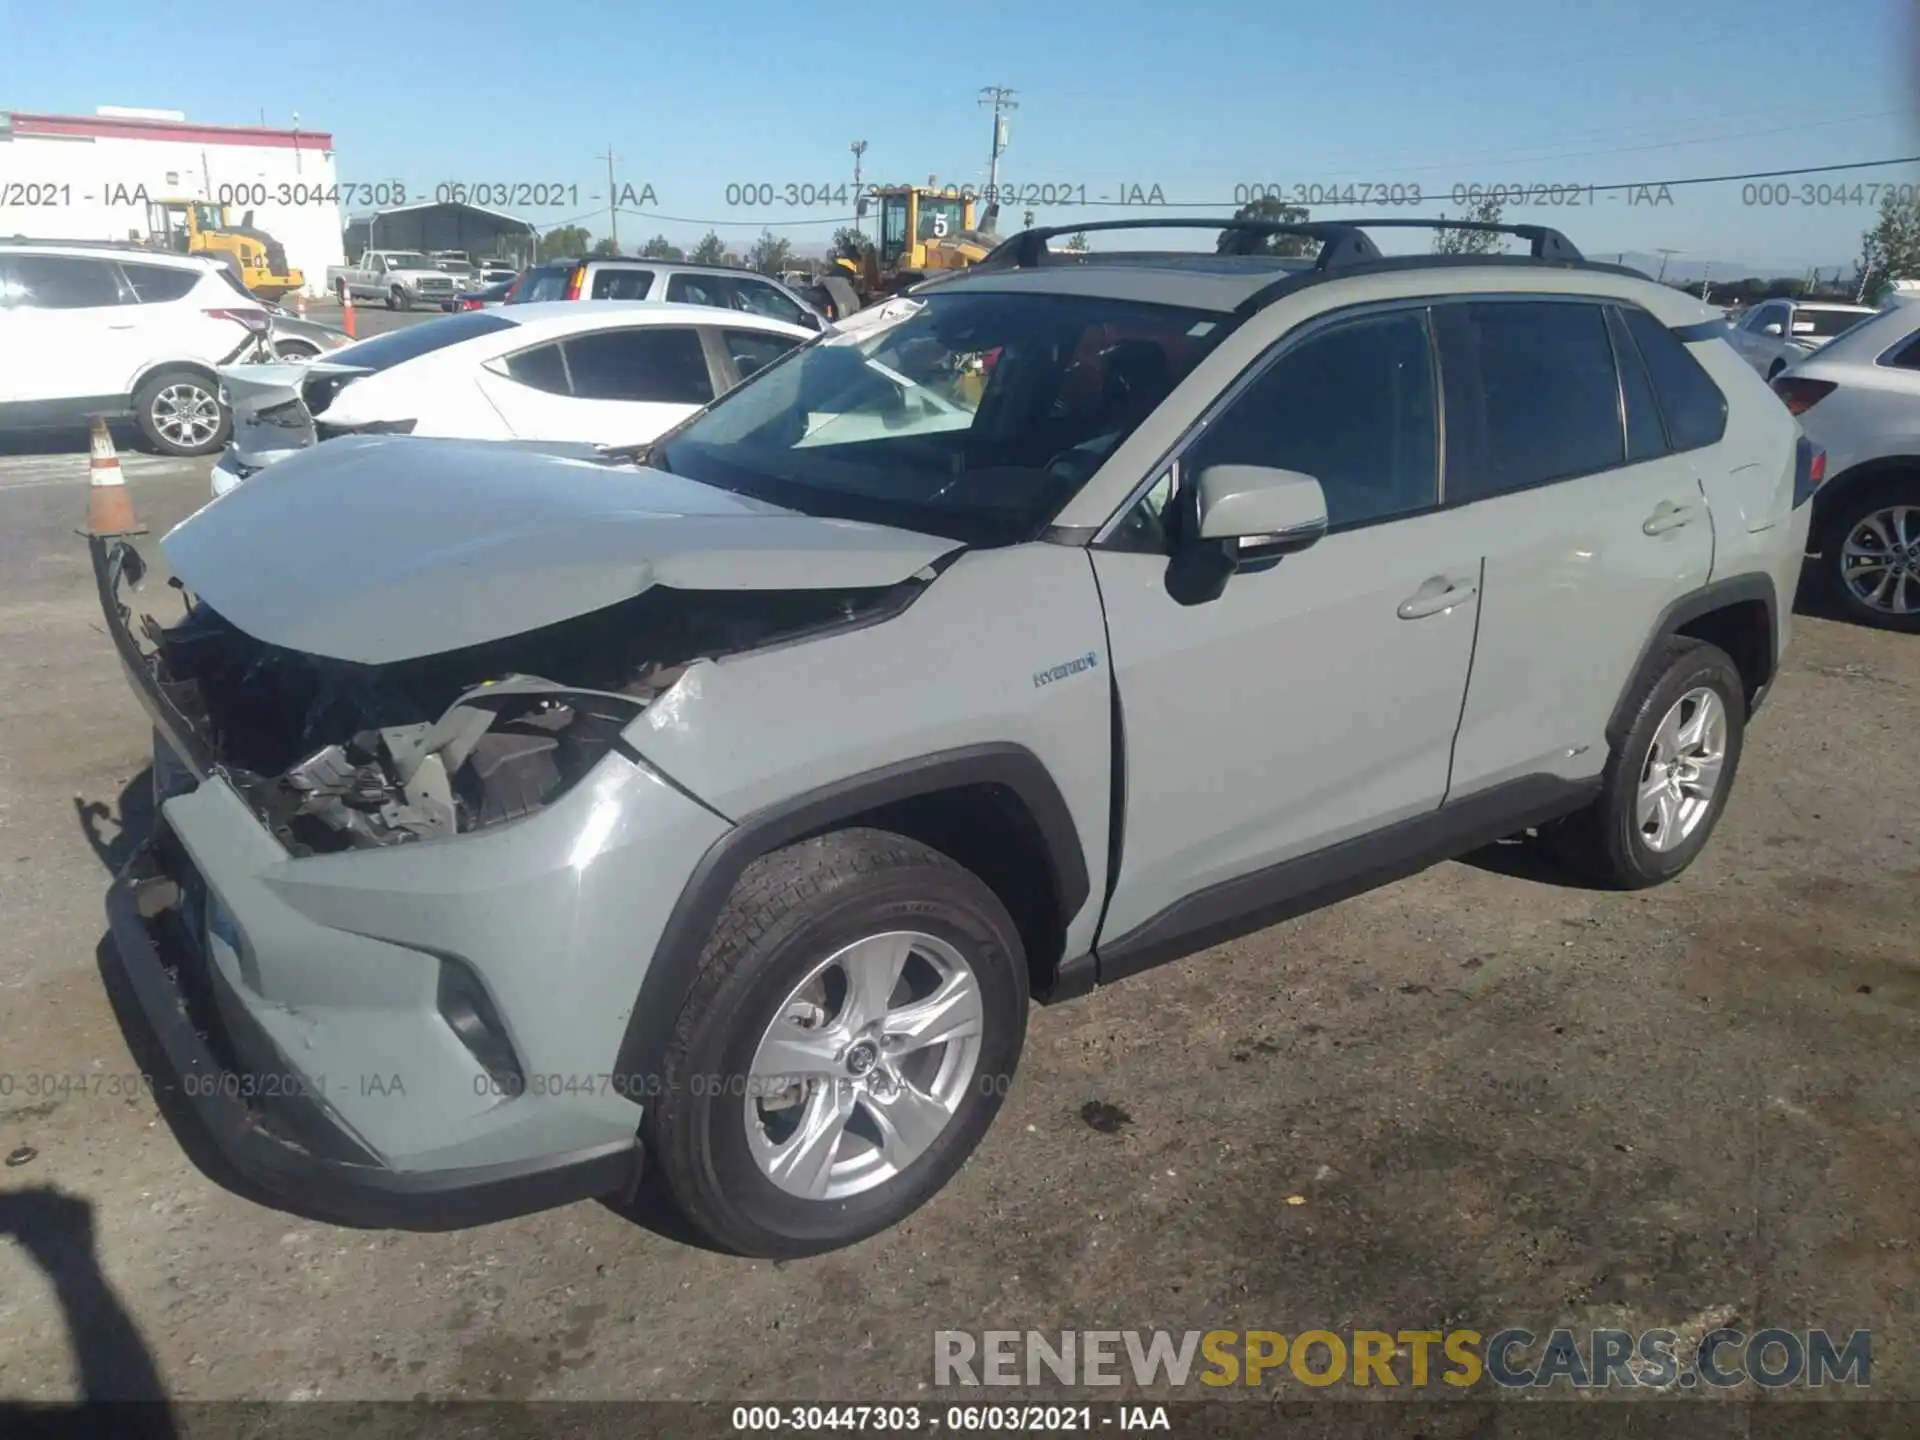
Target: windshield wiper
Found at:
x=643, y=452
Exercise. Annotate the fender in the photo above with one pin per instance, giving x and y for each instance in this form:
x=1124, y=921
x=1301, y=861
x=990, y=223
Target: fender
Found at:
x=670, y=975
x=1754, y=585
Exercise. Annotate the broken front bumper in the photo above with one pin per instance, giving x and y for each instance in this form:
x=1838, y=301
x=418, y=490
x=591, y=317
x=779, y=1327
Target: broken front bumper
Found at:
x=276, y=1126
x=421, y=1035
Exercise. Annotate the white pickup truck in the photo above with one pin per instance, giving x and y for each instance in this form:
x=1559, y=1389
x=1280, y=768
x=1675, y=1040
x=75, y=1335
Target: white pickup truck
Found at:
x=402, y=278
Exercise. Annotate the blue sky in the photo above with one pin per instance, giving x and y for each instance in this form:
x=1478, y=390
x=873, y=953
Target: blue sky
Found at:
x=693, y=97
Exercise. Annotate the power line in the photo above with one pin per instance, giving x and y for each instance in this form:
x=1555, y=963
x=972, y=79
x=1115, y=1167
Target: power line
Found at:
x=765, y=223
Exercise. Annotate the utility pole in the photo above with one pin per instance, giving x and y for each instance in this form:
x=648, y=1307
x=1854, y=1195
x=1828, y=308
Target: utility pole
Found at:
x=859, y=148
x=613, y=213
x=1706, y=282
x=1001, y=99
x=1666, y=255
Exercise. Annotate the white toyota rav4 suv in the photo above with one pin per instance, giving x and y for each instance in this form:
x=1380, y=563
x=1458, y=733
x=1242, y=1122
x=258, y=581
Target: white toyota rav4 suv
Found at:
x=119, y=330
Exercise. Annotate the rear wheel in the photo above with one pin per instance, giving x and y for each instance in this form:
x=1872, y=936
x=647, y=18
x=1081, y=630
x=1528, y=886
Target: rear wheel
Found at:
x=856, y=1020
x=1667, y=781
x=179, y=412
x=1870, y=555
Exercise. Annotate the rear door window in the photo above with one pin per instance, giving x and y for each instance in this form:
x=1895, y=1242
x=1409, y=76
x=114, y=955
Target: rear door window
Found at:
x=664, y=364
x=156, y=283
x=618, y=283
x=543, y=282
x=1694, y=408
x=1549, y=397
x=699, y=290
x=64, y=282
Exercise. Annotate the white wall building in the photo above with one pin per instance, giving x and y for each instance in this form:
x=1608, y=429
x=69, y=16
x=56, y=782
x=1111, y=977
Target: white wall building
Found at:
x=89, y=177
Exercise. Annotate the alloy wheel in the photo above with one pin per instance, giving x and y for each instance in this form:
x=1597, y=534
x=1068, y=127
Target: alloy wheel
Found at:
x=864, y=1066
x=1682, y=773
x=1880, y=560
x=186, y=414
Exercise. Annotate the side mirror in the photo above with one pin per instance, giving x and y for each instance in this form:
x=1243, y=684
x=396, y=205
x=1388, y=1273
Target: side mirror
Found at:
x=1772, y=327
x=1260, y=512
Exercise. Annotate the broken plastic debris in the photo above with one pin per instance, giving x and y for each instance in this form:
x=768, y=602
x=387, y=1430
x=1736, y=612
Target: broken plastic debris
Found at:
x=1296, y=1199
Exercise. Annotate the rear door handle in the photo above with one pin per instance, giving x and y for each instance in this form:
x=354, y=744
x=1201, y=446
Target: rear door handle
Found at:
x=1436, y=596
x=1668, y=516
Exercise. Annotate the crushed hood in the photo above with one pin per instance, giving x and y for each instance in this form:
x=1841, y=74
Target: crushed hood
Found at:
x=383, y=548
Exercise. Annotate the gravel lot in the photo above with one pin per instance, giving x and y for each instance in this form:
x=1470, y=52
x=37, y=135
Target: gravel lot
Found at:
x=1501, y=1100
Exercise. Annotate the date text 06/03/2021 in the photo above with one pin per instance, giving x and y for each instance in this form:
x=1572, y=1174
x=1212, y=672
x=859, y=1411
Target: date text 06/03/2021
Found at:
x=922, y=1419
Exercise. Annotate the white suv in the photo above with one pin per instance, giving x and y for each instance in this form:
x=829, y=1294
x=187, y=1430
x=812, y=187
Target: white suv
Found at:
x=91, y=329
x=678, y=282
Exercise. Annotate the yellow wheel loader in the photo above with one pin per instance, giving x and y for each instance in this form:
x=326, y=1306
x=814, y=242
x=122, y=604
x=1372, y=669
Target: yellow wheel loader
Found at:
x=254, y=258
x=924, y=230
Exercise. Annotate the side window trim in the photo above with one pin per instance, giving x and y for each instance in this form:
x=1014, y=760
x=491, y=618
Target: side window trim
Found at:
x=498, y=365
x=1246, y=380
x=1626, y=350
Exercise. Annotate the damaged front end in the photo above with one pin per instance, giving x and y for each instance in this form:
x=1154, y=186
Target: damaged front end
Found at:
x=335, y=755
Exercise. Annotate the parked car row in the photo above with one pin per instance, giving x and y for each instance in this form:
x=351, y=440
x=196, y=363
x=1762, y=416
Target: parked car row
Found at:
x=603, y=373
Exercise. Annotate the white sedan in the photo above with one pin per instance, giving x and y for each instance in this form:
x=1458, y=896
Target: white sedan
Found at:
x=611, y=372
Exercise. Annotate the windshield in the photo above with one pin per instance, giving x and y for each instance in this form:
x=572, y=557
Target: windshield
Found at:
x=1825, y=324
x=973, y=416
x=457, y=267
x=408, y=260
x=939, y=218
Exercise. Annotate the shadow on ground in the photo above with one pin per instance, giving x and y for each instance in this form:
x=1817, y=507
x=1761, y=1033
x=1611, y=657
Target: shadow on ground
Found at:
x=55, y=1230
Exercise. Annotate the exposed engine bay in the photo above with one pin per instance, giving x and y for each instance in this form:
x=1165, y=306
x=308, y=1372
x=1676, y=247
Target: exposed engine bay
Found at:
x=335, y=755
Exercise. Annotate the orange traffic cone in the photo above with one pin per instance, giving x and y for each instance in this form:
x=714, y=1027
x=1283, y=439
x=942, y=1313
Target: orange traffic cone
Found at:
x=346, y=311
x=109, y=508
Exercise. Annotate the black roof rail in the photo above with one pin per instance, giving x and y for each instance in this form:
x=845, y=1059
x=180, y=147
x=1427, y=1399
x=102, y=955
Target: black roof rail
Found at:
x=1343, y=243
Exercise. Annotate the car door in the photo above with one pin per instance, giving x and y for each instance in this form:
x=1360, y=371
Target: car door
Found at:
x=1591, y=522
x=1315, y=698
x=70, y=342
x=604, y=386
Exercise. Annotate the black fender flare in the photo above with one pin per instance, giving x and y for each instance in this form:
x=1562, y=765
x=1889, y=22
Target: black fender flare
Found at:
x=670, y=974
x=1734, y=590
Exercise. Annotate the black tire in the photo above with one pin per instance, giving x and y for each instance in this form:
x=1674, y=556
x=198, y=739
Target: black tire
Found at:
x=790, y=911
x=295, y=350
x=1777, y=367
x=160, y=390
x=846, y=300
x=398, y=298
x=340, y=294
x=1604, y=842
x=1901, y=490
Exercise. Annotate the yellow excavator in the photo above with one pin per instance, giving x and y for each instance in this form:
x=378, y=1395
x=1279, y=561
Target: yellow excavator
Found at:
x=924, y=230
x=195, y=227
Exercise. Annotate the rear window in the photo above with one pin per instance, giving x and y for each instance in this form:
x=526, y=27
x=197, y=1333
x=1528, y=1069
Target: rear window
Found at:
x=398, y=346
x=1825, y=324
x=543, y=282
x=1695, y=410
x=618, y=284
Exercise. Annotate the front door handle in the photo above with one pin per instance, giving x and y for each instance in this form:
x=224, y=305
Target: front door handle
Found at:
x=1668, y=516
x=1436, y=596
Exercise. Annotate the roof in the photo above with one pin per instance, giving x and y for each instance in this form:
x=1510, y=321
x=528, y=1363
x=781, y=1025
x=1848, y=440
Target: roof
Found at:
x=446, y=207
x=117, y=249
x=25, y=125
x=564, y=315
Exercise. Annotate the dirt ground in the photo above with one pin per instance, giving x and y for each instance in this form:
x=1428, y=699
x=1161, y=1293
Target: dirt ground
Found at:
x=1499, y=1100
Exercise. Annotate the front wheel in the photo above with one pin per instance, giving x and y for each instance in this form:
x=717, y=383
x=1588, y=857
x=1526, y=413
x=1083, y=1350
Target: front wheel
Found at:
x=179, y=412
x=1871, y=556
x=298, y=351
x=1667, y=781
x=853, y=1030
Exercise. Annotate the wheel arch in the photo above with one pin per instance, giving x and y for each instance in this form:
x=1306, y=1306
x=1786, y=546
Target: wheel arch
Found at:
x=1839, y=490
x=993, y=808
x=160, y=367
x=1739, y=614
